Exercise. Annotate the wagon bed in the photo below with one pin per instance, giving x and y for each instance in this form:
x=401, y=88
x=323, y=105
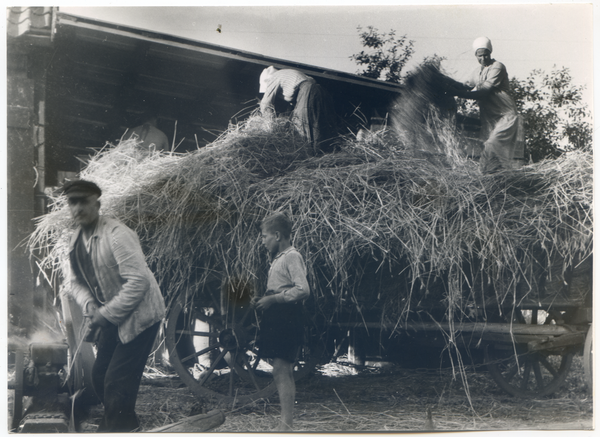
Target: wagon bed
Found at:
x=528, y=349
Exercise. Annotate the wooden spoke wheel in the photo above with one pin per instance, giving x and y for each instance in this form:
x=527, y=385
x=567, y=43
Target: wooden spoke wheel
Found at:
x=528, y=374
x=215, y=353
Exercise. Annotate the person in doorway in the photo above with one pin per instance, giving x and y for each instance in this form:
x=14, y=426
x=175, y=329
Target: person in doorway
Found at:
x=310, y=105
x=282, y=312
x=501, y=125
x=117, y=292
x=148, y=134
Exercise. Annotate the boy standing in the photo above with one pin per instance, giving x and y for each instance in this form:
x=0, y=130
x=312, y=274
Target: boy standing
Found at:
x=282, y=324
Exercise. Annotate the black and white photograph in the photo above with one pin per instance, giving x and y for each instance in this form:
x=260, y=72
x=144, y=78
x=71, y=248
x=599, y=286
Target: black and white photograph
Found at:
x=299, y=217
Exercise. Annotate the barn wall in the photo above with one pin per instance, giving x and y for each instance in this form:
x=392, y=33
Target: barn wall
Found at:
x=102, y=77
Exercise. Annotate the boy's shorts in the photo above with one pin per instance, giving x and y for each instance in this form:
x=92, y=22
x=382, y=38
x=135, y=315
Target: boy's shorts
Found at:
x=281, y=331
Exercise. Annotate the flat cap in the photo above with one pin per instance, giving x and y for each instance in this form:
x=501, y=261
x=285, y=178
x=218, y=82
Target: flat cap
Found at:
x=81, y=188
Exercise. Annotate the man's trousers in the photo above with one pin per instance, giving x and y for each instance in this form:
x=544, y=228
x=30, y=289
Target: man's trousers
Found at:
x=117, y=374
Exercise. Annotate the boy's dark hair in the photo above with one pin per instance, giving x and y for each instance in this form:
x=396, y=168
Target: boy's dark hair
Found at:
x=278, y=222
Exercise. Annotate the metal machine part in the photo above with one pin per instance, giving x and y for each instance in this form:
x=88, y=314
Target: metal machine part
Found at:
x=40, y=374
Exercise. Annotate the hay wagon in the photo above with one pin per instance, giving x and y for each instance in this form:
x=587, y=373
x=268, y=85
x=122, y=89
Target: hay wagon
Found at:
x=406, y=250
x=527, y=347
x=408, y=246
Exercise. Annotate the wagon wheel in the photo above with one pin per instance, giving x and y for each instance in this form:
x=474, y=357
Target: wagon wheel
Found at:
x=588, y=359
x=215, y=353
x=528, y=374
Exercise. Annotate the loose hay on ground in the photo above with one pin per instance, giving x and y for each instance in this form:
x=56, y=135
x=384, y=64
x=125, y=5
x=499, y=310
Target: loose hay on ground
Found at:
x=397, y=400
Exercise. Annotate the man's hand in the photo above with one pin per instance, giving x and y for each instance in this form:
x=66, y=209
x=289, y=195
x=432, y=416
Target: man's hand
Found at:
x=91, y=308
x=97, y=319
x=266, y=302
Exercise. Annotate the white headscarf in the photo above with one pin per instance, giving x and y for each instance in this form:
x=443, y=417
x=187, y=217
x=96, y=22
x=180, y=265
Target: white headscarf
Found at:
x=265, y=78
x=482, y=43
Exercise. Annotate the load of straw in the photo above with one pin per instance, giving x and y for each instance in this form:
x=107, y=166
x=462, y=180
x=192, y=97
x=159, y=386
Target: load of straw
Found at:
x=418, y=113
x=384, y=228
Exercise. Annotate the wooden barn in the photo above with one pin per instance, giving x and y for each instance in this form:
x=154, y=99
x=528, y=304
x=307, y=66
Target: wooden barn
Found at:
x=75, y=83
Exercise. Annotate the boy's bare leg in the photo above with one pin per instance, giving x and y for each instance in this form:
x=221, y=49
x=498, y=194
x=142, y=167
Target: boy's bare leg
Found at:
x=283, y=373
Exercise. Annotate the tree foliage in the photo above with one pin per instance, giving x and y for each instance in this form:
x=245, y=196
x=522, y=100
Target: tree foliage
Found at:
x=386, y=55
x=556, y=118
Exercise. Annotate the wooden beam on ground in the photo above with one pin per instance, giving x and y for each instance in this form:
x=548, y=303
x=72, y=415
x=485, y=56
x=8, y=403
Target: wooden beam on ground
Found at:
x=197, y=423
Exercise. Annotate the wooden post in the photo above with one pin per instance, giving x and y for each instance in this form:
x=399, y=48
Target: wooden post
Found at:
x=28, y=52
x=20, y=179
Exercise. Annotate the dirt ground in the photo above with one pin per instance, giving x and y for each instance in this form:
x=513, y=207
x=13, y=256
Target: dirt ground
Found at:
x=342, y=398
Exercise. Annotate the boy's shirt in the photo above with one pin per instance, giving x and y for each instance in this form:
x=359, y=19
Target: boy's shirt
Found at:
x=287, y=277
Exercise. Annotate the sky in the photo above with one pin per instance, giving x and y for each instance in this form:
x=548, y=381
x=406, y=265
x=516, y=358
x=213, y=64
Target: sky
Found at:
x=524, y=36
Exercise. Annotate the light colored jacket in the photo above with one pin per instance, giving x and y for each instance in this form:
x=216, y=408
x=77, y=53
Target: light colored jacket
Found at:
x=133, y=300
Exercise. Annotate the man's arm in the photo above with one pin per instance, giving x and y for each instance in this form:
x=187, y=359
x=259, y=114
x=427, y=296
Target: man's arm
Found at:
x=133, y=269
x=267, y=104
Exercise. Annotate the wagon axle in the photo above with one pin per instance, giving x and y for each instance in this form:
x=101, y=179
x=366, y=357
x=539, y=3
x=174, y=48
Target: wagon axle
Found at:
x=234, y=339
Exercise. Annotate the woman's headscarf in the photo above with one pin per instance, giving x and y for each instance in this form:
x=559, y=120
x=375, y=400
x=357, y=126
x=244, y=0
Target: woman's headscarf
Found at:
x=265, y=78
x=482, y=43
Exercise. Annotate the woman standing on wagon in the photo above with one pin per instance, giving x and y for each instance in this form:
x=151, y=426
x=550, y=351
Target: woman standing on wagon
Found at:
x=501, y=125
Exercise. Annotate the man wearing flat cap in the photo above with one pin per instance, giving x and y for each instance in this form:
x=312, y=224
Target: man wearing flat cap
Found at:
x=110, y=280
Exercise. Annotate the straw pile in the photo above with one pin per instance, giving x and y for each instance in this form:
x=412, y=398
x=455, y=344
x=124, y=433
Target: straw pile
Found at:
x=417, y=116
x=382, y=227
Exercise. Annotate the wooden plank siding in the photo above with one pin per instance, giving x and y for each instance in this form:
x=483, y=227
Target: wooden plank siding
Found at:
x=101, y=75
